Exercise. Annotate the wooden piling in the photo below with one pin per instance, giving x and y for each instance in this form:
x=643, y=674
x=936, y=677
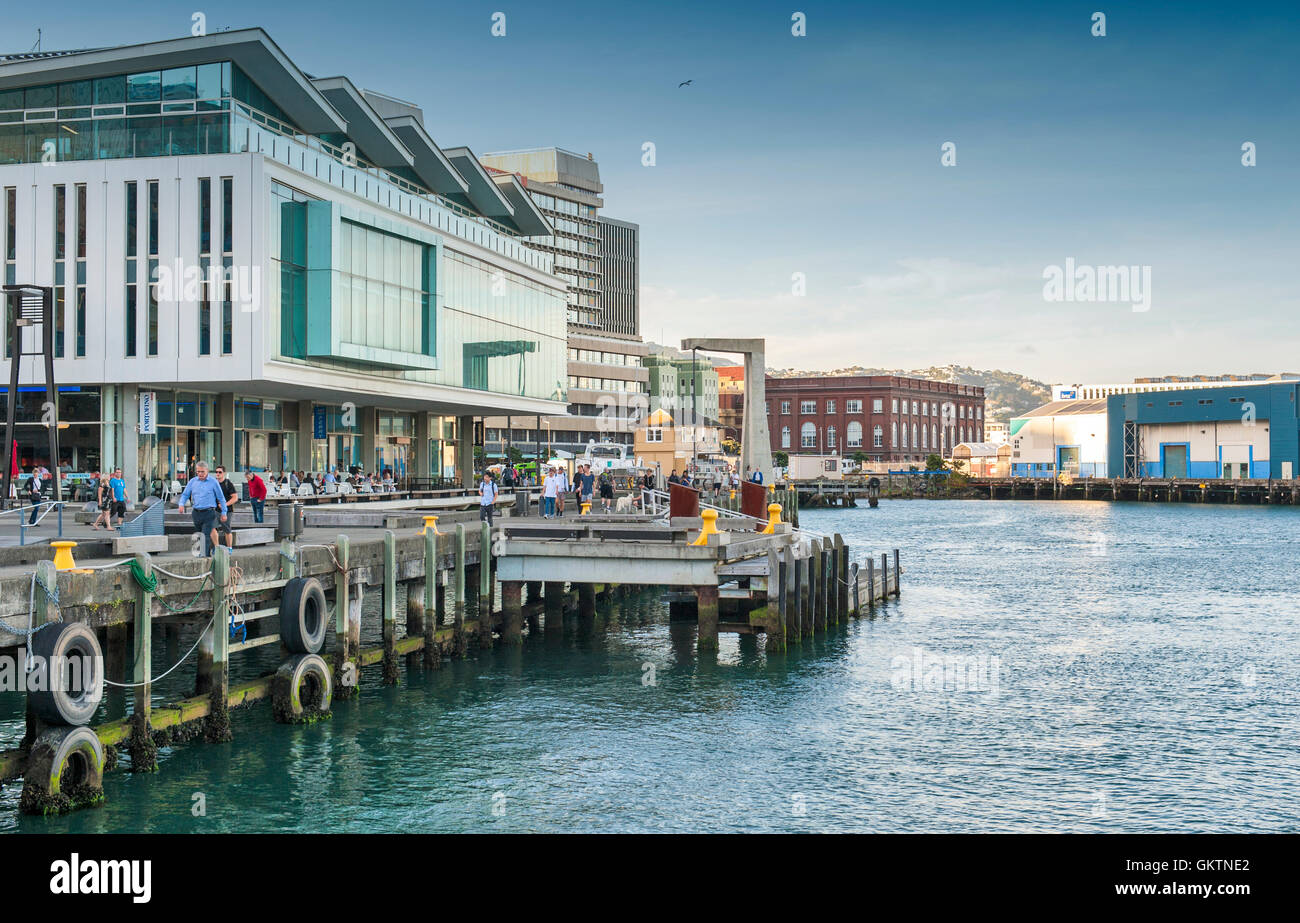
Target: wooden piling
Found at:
x=459, y=586
x=815, y=587
x=388, y=606
x=217, y=724
x=898, y=584
x=431, y=656
x=774, y=623
x=144, y=754
x=586, y=602
x=805, y=597
x=414, y=620
x=871, y=583
x=790, y=596
x=706, y=600
x=346, y=645
x=512, y=627
x=485, y=585
x=842, y=579
x=824, y=584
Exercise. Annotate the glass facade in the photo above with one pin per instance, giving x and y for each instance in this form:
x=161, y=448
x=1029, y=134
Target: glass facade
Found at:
x=384, y=278
x=184, y=110
x=397, y=297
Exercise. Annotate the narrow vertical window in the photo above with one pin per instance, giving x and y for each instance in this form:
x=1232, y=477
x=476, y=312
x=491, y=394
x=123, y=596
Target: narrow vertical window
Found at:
x=60, y=265
x=227, y=261
x=227, y=215
x=153, y=217
x=205, y=263
x=10, y=252
x=152, y=280
x=80, y=301
x=132, y=236
x=227, y=310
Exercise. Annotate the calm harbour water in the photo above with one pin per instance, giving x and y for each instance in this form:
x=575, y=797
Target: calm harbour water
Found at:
x=1110, y=667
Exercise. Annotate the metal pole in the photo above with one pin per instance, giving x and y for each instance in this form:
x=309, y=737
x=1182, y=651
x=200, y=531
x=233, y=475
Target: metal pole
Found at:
x=51, y=392
x=11, y=404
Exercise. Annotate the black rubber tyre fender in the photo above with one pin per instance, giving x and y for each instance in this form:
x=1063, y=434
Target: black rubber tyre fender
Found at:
x=74, y=674
x=303, y=617
x=300, y=677
x=63, y=761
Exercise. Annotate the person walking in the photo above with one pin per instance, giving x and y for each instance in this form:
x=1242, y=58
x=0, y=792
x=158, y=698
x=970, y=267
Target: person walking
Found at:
x=487, y=498
x=117, y=497
x=103, y=499
x=34, y=494
x=586, y=485
x=550, y=488
x=562, y=487
x=232, y=497
x=209, y=501
x=256, y=495
x=606, y=490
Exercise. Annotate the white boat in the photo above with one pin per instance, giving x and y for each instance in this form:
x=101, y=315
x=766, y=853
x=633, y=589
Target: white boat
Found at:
x=611, y=458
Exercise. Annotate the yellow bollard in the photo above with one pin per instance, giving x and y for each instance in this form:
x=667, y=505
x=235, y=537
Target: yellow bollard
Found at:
x=710, y=518
x=431, y=522
x=586, y=508
x=63, y=555
x=733, y=495
x=773, y=517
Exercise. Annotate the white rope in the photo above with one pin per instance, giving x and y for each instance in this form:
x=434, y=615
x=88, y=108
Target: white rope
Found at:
x=173, y=666
x=201, y=576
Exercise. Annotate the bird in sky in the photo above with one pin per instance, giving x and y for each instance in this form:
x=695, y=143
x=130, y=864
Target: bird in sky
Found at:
x=684, y=83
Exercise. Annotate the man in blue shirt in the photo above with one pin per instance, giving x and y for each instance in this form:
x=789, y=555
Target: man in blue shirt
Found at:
x=117, y=488
x=208, y=500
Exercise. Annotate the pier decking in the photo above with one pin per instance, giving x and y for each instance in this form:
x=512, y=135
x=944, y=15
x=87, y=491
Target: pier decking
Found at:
x=1174, y=490
x=728, y=572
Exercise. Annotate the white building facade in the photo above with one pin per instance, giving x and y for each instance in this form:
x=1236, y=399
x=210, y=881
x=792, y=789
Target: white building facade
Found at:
x=285, y=277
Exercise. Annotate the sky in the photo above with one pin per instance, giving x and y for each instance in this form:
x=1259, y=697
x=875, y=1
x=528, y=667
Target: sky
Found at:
x=798, y=190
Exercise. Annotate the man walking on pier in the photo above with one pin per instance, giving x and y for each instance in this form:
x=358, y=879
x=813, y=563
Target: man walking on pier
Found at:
x=208, y=500
x=550, y=489
x=487, y=498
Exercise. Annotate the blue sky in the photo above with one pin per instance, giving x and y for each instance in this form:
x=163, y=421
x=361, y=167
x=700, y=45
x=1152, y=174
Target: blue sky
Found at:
x=820, y=155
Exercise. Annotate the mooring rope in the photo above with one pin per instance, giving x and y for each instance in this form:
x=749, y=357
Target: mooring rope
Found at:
x=162, y=675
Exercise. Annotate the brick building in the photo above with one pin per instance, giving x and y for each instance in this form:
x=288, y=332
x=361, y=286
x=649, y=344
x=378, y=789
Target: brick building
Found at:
x=731, y=400
x=887, y=418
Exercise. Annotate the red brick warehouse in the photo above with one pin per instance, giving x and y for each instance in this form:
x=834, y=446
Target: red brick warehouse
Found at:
x=886, y=417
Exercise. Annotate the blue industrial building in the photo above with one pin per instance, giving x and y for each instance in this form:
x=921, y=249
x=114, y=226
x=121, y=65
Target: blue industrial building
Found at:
x=1251, y=431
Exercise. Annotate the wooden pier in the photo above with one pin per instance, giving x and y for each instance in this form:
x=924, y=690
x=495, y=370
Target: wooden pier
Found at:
x=1166, y=490
x=727, y=571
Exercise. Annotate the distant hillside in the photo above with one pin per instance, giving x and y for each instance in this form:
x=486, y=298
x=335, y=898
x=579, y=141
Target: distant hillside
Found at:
x=1006, y=394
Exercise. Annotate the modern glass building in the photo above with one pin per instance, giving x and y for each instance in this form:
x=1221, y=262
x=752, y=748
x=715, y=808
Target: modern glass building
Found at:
x=607, y=386
x=286, y=270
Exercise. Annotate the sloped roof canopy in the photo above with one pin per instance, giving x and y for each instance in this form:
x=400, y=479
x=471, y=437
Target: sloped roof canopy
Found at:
x=431, y=165
x=371, y=134
x=483, y=195
x=528, y=218
x=250, y=49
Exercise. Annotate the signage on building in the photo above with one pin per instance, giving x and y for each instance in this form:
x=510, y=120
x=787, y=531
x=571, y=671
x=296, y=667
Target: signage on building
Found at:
x=1069, y=395
x=318, y=427
x=148, y=413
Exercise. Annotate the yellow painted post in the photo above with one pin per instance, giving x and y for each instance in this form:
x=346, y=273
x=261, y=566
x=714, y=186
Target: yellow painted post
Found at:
x=773, y=518
x=710, y=518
